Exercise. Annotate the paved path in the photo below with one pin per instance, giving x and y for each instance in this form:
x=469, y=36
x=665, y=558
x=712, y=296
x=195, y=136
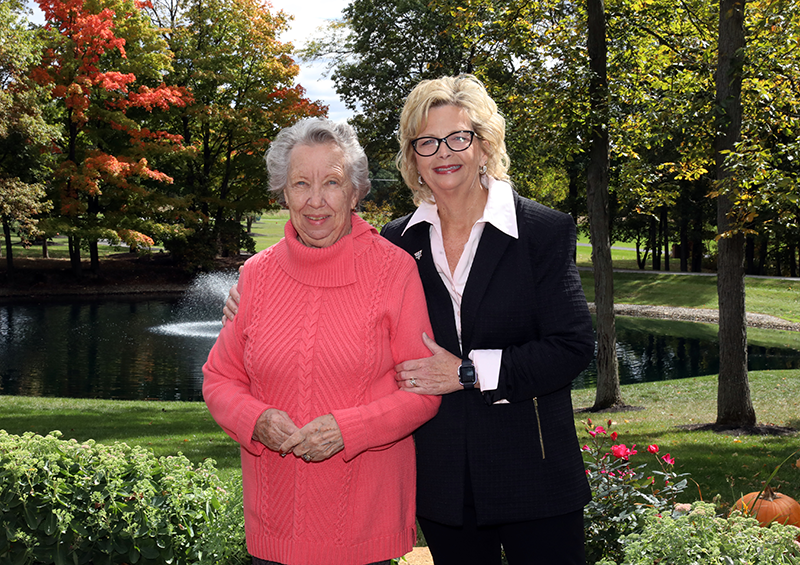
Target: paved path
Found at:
x=704, y=315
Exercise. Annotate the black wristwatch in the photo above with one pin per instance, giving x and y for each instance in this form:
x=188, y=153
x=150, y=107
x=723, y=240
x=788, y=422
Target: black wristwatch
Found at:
x=466, y=374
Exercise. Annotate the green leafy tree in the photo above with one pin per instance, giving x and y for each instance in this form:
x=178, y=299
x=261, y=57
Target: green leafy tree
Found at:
x=228, y=54
x=661, y=69
x=766, y=161
x=24, y=133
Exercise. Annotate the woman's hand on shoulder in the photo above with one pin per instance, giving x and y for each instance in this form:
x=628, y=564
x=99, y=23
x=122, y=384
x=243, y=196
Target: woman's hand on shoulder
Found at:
x=435, y=375
x=231, y=307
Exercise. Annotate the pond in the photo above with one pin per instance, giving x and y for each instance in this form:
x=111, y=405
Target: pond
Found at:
x=137, y=349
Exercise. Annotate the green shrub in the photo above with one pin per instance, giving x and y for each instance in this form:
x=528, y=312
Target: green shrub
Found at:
x=66, y=502
x=693, y=534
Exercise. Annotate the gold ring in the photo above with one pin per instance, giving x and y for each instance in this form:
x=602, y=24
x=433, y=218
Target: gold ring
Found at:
x=413, y=382
x=306, y=457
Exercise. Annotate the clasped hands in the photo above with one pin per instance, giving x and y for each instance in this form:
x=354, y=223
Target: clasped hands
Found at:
x=318, y=440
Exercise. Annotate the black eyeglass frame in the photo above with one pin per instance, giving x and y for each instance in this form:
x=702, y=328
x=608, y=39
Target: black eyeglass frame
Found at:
x=439, y=141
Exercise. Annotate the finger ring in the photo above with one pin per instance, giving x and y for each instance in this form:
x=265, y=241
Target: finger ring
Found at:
x=413, y=382
x=306, y=457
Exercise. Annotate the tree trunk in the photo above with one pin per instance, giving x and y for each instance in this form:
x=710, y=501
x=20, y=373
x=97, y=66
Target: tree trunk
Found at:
x=762, y=256
x=75, y=255
x=698, y=246
x=94, y=255
x=734, y=406
x=9, y=248
x=608, y=389
x=684, y=245
x=749, y=255
x=654, y=245
x=665, y=236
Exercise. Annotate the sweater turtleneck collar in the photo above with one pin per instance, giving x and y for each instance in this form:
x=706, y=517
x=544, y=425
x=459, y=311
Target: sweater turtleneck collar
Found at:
x=330, y=266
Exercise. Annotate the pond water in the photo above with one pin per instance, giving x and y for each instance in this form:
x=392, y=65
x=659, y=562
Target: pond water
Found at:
x=154, y=349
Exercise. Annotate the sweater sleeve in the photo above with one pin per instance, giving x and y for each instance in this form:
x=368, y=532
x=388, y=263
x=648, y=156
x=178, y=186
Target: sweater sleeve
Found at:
x=395, y=416
x=226, y=384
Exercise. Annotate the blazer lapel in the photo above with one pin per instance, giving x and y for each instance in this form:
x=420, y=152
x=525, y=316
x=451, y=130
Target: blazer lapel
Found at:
x=416, y=241
x=491, y=248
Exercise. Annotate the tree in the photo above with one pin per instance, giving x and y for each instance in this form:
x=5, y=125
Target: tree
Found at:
x=734, y=405
x=608, y=388
x=24, y=133
x=105, y=63
x=661, y=78
x=766, y=159
x=228, y=54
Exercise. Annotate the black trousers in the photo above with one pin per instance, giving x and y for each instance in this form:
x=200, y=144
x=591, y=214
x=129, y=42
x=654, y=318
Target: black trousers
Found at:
x=557, y=540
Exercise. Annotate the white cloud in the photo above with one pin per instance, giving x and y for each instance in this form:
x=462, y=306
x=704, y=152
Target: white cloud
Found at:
x=308, y=17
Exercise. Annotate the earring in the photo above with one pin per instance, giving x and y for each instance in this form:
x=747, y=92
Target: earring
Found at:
x=419, y=179
x=483, y=169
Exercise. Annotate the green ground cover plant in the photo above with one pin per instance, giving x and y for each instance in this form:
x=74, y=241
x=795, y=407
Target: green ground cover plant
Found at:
x=67, y=502
x=694, y=534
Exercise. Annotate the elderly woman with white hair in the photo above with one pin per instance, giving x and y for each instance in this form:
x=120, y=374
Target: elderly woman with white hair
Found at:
x=304, y=377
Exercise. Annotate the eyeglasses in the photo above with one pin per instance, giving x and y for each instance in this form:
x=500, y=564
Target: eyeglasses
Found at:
x=456, y=141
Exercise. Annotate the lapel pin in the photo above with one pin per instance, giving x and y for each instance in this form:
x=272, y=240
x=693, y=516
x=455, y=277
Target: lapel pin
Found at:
x=418, y=255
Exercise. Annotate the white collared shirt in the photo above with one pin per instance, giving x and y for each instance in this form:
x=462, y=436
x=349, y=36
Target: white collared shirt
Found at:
x=501, y=213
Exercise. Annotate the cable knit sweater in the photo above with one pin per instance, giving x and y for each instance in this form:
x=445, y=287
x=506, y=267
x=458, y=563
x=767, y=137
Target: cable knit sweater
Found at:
x=319, y=331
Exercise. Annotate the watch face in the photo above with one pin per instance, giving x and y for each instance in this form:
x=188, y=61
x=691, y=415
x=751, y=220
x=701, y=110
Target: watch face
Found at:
x=466, y=375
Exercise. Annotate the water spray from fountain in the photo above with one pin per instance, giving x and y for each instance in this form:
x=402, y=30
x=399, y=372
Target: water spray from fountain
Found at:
x=199, y=312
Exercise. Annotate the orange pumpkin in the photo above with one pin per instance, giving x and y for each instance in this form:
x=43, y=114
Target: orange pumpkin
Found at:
x=770, y=507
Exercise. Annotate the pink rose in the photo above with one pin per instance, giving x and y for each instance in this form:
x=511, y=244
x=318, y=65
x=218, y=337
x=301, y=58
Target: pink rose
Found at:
x=652, y=449
x=621, y=451
x=668, y=460
x=613, y=436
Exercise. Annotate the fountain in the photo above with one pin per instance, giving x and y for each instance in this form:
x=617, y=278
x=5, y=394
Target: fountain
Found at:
x=128, y=348
x=199, y=312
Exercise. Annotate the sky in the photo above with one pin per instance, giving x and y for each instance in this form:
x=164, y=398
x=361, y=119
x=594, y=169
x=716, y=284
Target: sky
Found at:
x=308, y=16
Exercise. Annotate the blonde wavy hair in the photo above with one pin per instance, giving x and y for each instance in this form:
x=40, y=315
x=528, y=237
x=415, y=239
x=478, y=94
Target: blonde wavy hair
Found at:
x=466, y=92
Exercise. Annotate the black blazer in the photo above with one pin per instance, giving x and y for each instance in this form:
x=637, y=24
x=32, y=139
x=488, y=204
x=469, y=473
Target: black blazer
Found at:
x=523, y=296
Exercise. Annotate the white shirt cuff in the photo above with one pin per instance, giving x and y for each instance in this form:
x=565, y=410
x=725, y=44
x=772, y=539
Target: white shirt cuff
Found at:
x=487, y=366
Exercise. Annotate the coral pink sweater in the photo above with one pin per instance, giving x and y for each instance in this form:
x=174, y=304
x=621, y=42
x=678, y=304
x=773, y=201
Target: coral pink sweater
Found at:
x=319, y=331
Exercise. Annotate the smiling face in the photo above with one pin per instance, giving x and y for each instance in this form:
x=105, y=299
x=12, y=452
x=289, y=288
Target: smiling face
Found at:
x=319, y=195
x=450, y=171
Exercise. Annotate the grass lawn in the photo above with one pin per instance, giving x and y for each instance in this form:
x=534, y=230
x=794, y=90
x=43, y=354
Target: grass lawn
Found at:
x=719, y=464
x=268, y=230
x=776, y=297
